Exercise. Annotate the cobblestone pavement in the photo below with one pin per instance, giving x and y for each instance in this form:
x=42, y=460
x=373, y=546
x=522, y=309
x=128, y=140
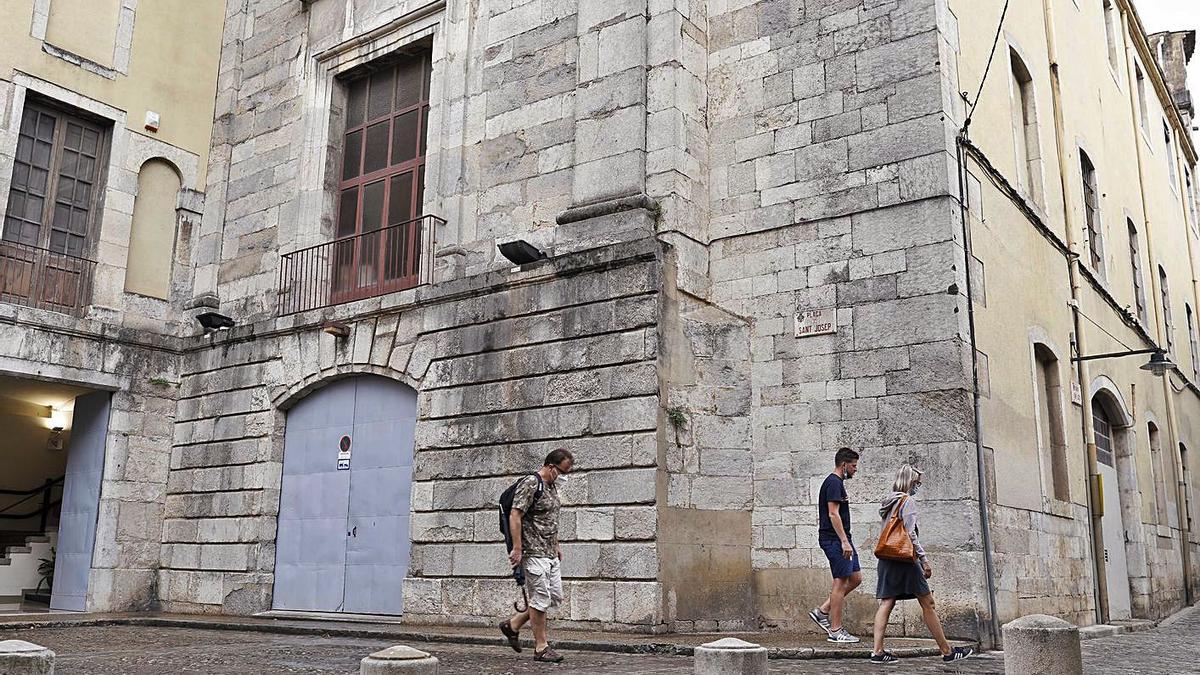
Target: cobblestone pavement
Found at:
x=141, y=650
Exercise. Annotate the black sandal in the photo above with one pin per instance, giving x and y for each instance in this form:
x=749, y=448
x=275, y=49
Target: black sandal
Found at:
x=514, y=639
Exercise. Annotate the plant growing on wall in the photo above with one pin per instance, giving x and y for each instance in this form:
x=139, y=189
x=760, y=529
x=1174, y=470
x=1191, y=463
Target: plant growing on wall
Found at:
x=678, y=418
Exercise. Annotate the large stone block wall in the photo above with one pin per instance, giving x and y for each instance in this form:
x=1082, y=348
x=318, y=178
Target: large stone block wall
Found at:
x=507, y=367
x=536, y=107
x=141, y=371
x=831, y=179
x=1043, y=563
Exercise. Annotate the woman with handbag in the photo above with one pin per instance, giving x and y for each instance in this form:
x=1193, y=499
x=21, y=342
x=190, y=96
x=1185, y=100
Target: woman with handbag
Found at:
x=903, y=569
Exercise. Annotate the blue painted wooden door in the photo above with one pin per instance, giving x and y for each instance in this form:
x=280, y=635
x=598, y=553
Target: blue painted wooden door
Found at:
x=80, y=502
x=343, y=542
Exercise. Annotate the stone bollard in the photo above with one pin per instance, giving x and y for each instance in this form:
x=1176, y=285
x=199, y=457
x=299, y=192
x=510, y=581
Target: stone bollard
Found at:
x=730, y=656
x=1041, y=645
x=18, y=657
x=398, y=659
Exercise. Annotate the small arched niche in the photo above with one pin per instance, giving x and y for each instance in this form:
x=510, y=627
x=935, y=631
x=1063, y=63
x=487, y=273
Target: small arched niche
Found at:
x=152, y=236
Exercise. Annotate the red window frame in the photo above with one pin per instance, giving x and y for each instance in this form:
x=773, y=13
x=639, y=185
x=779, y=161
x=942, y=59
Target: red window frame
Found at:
x=382, y=179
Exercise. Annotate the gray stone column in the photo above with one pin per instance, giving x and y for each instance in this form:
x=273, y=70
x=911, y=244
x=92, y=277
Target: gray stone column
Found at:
x=730, y=656
x=18, y=657
x=1041, y=645
x=398, y=659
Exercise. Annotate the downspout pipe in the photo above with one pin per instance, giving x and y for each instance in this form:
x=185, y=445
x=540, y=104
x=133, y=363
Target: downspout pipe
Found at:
x=1095, y=507
x=980, y=456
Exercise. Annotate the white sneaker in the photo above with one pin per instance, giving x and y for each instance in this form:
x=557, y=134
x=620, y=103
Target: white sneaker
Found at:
x=841, y=635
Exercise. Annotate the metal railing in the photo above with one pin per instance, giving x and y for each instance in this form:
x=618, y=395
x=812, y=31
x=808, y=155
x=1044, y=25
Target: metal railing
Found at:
x=45, y=490
x=38, y=277
x=360, y=266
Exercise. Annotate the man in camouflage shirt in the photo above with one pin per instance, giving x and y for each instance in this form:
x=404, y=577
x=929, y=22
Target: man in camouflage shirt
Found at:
x=534, y=525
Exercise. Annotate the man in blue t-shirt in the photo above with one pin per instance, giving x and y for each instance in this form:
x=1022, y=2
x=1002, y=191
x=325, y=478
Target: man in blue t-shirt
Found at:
x=833, y=535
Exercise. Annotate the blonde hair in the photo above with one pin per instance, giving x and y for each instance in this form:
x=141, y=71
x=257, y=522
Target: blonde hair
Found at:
x=905, y=477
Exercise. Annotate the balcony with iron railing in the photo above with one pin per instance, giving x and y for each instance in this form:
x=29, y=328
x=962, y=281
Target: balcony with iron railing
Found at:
x=360, y=266
x=38, y=277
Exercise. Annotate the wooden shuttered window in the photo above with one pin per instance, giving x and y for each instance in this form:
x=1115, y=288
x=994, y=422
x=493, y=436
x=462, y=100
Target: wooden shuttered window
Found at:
x=55, y=191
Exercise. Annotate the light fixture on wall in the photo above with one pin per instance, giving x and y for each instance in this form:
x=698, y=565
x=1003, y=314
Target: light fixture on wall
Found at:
x=211, y=321
x=521, y=252
x=57, y=418
x=336, y=328
x=1158, y=364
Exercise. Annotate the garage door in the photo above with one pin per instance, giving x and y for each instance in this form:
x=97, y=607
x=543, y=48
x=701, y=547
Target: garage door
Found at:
x=343, y=541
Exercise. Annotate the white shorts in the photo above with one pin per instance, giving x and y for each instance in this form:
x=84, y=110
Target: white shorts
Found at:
x=543, y=583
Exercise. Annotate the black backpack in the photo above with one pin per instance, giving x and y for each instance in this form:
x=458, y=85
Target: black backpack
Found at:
x=506, y=506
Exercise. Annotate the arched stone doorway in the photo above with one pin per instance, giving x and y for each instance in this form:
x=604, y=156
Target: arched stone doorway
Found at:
x=343, y=542
x=1111, y=423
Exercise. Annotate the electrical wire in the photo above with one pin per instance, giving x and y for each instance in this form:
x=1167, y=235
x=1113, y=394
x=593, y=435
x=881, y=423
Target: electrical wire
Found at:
x=988, y=67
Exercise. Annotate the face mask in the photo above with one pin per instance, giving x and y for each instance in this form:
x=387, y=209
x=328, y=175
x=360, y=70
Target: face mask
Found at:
x=560, y=478
x=915, y=489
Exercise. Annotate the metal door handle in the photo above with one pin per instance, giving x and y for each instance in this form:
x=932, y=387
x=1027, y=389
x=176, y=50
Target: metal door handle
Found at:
x=354, y=532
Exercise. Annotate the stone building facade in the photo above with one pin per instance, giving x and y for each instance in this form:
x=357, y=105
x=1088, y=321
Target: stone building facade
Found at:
x=104, y=138
x=756, y=253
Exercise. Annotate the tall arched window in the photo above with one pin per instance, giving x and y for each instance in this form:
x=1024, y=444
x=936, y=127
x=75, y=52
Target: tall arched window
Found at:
x=1050, y=422
x=1110, y=31
x=1191, y=328
x=1139, y=283
x=1102, y=426
x=1168, y=324
x=1091, y=213
x=1157, y=475
x=152, y=236
x=1025, y=129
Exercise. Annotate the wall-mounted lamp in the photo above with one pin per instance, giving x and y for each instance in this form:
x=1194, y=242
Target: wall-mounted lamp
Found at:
x=211, y=321
x=58, y=418
x=521, y=252
x=336, y=328
x=1158, y=364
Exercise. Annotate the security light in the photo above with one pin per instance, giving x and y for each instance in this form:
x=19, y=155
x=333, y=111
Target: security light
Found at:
x=521, y=252
x=212, y=321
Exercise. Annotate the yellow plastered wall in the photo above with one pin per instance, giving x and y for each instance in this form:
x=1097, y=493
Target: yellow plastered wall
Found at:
x=174, y=58
x=1026, y=283
x=85, y=27
x=152, y=237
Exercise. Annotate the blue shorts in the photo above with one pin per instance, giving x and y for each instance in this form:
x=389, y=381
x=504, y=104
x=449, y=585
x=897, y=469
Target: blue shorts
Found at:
x=838, y=564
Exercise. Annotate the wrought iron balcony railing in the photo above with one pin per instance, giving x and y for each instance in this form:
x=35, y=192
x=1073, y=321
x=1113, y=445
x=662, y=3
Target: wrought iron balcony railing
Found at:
x=38, y=277
x=366, y=265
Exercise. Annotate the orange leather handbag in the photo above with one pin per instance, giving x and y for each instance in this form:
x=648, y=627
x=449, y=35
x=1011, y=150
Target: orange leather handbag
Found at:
x=894, y=542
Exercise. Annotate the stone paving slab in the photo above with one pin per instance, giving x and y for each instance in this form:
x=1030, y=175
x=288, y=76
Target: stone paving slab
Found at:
x=141, y=649
x=154, y=650
x=780, y=645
